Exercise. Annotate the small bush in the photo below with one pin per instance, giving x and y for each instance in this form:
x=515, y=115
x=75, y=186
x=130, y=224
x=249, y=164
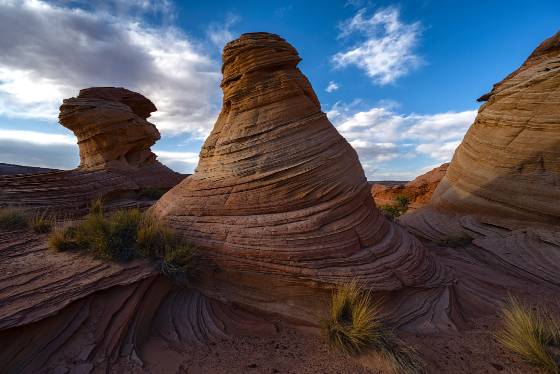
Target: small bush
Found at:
x=390, y=211
x=532, y=334
x=124, y=235
x=41, y=222
x=402, y=202
x=154, y=237
x=178, y=262
x=13, y=218
x=63, y=239
x=117, y=235
x=354, y=326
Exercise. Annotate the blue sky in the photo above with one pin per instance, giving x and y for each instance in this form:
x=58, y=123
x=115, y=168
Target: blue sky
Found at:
x=398, y=79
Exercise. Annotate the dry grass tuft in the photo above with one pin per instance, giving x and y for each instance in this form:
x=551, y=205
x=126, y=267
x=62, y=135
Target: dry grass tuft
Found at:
x=13, y=218
x=531, y=333
x=63, y=238
x=354, y=326
x=353, y=323
x=41, y=222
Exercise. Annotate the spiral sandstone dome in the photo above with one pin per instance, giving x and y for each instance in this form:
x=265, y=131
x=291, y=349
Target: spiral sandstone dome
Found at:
x=279, y=202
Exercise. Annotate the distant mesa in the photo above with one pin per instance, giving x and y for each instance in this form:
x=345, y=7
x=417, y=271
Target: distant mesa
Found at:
x=279, y=202
x=114, y=138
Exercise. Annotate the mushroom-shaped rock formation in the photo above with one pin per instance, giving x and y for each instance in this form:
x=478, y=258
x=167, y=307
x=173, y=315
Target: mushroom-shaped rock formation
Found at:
x=114, y=138
x=502, y=188
x=280, y=197
x=111, y=127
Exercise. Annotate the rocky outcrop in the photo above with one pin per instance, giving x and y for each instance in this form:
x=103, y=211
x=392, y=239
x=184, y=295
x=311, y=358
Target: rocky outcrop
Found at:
x=279, y=203
x=508, y=164
x=418, y=192
x=111, y=127
x=116, y=162
x=502, y=188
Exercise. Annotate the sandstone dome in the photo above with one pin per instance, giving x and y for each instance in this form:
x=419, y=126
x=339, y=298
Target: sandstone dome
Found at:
x=280, y=196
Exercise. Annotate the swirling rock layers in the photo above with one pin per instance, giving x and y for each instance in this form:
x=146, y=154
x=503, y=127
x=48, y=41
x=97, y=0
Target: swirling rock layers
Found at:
x=502, y=188
x=280, y=196
x=508, y=164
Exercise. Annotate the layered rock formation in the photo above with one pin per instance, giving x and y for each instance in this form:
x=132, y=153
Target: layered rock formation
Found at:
x=502, y=188
x=508, y=164
x=418, y=192
x=279, y=197
x=114, y=138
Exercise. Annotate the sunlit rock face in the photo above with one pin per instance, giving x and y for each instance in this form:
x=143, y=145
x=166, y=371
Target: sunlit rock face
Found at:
x=280, y=196
x=111, y=127
x=508, y=164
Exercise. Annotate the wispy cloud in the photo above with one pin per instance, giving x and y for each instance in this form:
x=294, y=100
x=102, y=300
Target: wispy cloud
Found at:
x=379, y=134
x=51, y=51
x=332, y=86
x=183, y=162
x=386, y=50
x=220, y=33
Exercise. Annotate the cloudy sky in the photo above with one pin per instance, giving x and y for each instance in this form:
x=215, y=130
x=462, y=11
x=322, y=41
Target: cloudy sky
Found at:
x=398, y=79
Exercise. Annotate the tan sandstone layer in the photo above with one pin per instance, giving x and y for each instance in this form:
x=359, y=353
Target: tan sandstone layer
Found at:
x=508, y=164
x=502, y=188
x=114, y=138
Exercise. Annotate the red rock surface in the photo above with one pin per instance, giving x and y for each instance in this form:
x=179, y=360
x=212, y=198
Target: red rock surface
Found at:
x=279, y=203
x=418, y=192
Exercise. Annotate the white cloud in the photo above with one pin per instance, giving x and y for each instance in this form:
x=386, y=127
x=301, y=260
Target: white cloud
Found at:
x=332, y=86
x=386, y=52
x=51, y=51
x=220, y=34
x=183, y=162
x=379, y=134
x=37, y=137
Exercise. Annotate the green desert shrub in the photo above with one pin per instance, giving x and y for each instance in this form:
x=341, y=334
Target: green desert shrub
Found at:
x=63, y=238
x=398, y=208
x=41, y=222
x=13, y=218
x=390, y=211
x=532, y=334
x=124, y=235
x=402, y=202
x=178, y=263
x=354, y=326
